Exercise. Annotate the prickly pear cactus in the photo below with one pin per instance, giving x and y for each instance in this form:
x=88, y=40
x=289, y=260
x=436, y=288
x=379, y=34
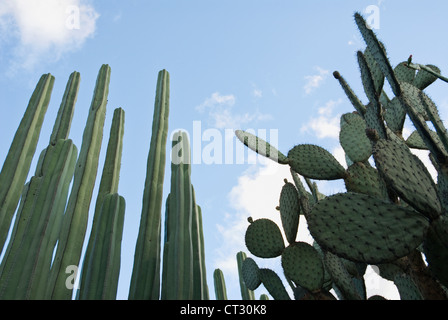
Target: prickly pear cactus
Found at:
x=393, y=214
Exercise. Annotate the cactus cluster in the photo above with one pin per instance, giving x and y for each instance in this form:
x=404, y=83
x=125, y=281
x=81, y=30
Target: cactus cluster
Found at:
x=44, y=253
x=392, y=215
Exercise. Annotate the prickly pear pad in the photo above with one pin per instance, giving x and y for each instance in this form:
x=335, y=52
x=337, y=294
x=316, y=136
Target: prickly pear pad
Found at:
x=290, y=211
x=264, y=239
x=303, y=265
x=250, y=274
x=362, y=228
x=315, y=162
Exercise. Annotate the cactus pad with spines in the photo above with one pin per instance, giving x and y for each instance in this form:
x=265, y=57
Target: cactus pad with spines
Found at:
x=315, y=162
x=289, y=210
x=264, y=239
x=249, y=271
x=273, y=284
x=363, y=228
x=261, y=147
x=353, y=139
x=407, y=176
x=303, y=265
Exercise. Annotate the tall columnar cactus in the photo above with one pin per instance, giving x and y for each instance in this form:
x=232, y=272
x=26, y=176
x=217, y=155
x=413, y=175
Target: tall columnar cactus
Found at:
x=246, y=293
x=220, y=285
x=25, y=267
x=74, y=226
x=145, y=282
x=183, y=276
x=18, y=160
x=101, y=265
x=389, y=212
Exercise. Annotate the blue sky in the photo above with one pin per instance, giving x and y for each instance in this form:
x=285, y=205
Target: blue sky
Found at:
x=261, y=65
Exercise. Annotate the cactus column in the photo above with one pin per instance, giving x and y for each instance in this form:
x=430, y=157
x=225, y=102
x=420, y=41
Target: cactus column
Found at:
x=74, y=226
x=18, y=161
x=145, y=282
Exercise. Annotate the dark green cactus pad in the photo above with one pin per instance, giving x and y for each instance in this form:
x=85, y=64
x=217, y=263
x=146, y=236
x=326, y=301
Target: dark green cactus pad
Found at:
x=249, y=271
x=363, y=178
x=341, y=277
x=407, y=288
x=403, y=73
x=423, y=78
x=273, y=284
x=302, y=264
x=290, y=211
x=363, y=228
x=353, y=139
x=407, y=176
x=436, y=249
x=261, y=147
x=395, y=115
x=264, y=239
x=416, y=96
x=314, y=162
x=375, y=71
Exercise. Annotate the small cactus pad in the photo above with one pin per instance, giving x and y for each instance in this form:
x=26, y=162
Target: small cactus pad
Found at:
x=363, y=228
x=290, y=211
x=423, y=78
x=273, y=284
x=407, y=176
x=363, y=178
x=340, y=275
x=249, y=270
x=264, y=239
x=303, y=265
x=314, y=162
x=353, y=139
x=261, y=147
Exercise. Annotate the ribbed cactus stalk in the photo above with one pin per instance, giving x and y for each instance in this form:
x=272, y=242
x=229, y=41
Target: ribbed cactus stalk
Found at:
x=74, y=226
x=18, y=160
x=103, y=226
x=183, y=278
x=102, y=265
x=145, y=282
x=25, y=267
x=220, y=285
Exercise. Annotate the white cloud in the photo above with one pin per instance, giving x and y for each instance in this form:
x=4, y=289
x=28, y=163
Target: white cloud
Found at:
x=222, y=116
x=43, y=30
x=315, y=81
x=325, y=125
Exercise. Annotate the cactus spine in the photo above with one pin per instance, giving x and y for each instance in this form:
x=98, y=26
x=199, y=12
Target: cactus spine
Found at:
x=145, y=282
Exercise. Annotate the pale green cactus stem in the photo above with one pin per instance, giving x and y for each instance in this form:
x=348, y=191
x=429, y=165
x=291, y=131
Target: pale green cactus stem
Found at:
x=102, y=266
x=220, y=285
x=145, y=281
x=18, y=160
x=108, y=185
x=74, y=226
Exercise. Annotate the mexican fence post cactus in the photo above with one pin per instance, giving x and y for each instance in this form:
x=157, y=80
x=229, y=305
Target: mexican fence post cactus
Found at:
x=220, y=285
x=145, y=282
x=75, y=220
x=99, y=279
x=18, y=160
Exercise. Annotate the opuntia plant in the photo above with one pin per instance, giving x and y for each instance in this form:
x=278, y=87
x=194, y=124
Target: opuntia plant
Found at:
x=393, y=214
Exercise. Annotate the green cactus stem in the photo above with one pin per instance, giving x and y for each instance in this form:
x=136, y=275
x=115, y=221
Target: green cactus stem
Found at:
x=246, y=293
x=76, y=216
x=220, y=285
x=145, y=281
x=18, y=160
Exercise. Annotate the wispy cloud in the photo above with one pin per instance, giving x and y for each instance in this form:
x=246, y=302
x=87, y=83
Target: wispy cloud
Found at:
x=222, y=116
x=44, y=30
x=325, y=125
x=314, y=81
